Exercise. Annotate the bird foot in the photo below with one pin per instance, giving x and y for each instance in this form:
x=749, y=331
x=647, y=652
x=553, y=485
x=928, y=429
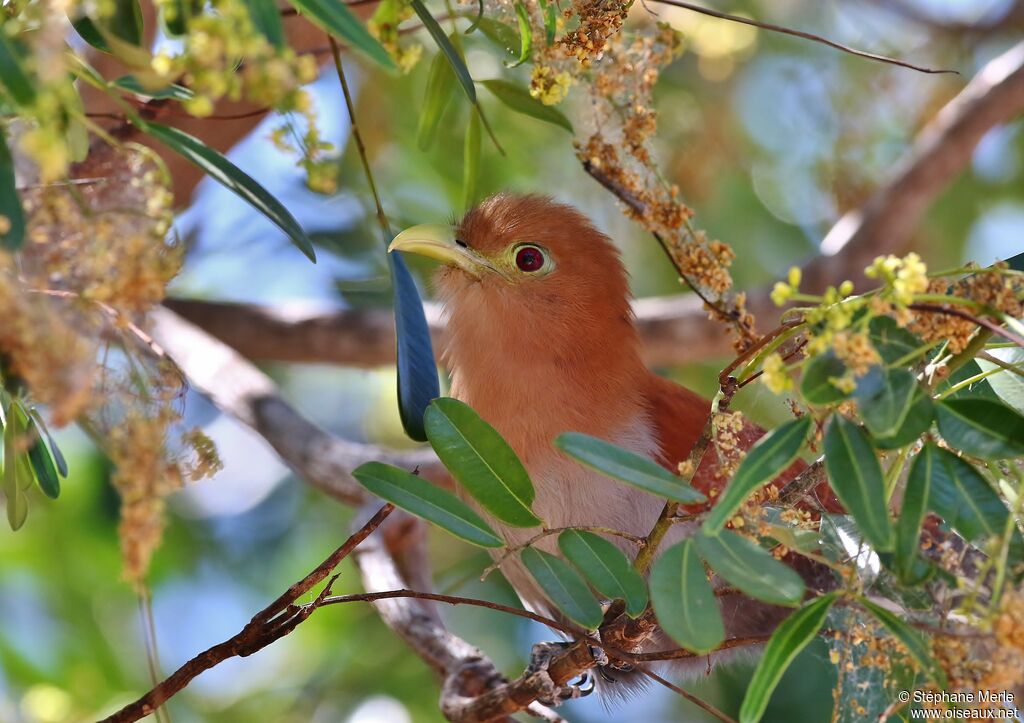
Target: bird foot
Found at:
x=540, y=658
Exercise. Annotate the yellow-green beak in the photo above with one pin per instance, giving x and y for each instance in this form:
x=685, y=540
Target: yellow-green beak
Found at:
x=436, y=241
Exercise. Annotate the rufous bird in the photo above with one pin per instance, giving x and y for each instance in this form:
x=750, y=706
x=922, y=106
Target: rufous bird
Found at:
x=541, y=341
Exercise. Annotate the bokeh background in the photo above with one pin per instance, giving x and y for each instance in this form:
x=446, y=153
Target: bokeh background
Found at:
x=770, y=139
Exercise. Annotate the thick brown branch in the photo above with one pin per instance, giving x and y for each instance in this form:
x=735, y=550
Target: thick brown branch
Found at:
x=268, y=625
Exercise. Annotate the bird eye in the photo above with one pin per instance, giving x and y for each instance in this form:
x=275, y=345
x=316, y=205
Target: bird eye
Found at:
x=529, y=259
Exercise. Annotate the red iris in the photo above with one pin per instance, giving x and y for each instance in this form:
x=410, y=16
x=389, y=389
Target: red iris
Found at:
x=529, y=258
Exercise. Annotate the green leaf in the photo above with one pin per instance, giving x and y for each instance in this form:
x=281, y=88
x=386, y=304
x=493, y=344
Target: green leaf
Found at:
x=58, y=456
x=786, y=642
x=234, y=179
x=518, y=98
x=477, y=456
x=10, y=202
x=640, y=472
x=911, y=640
x=421, y=498
x=856, y=478
x=334, y=17
x=1007, y=384
x=749, y=567
x=549, y=11
x=499, y=33
x=765, y=460
x=172, y=91
x=42, y=465
x=884, y=397
x=525, y=36
x=564, y=587
x=452, y=55
x=414, y=352
x=12, y=75
x=606, y=568
x=683, y=599
x=816, y=385
x=126, y=21
x=266, y=17
x=963, y=497
x=471, y=162
x=982, y=428
x=892, y=342
x=14, y=474
x=479, y=16
x=440, y=87
x=912, y=514
x=918, y=420
x=91, y=34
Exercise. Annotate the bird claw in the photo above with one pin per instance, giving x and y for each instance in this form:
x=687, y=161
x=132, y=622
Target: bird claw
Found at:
x=584, y=685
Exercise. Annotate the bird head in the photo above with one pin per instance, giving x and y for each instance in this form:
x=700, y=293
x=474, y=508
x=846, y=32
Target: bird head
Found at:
x=525, y=260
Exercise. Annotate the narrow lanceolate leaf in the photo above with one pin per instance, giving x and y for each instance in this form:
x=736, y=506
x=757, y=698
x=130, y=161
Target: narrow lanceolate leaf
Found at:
x=817, y=384
x=564, y=587
x=606, y=568
x=479, y=16
x=518, y=98
x=471, y=162
x=337, y=19
x=884, y=397
x=266, y=16
x=525, y=36
x=12, y=76
x=126, y=21
x=447, y=49
x=749, y=567
x=234, y=179
x=856, y=477
x=683, y=600
x=982, y=428
x=419, y=497
x=58, y=456
x=911, y=640
x=912, y=514
x=440, y=86
x=765, y=460
x=172, y=91
x=42, y=465
x=964, y=498
x=477, y=456
x=786, y=642
x=549, y=11
x=14, y=482
x=12, y=215
x=502, y=35
x=90, y=33
x=919, y=420
x=414, y=352
x=628, y=467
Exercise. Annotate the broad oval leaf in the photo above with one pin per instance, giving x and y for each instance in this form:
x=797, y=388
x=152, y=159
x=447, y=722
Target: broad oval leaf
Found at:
x=856, y=478
x=234, y=179
x=786, y=642
x=481, y=460
x=749, y=567
x=452, y=55
x=471, y=162
x=525, y=36
x=918, y=420
x=12, y=75
x=894, y=343
x=911, y=640
x=564, y=587
x=440, y=86
x=1008, y=384
x=421, y=498
x=518, y=98
x=982, y=428
x=606, y=568
x=414, y=351
x=816, y=384
x=628, y=467
x=58, y=456
x=683, y=599
x=10, y=203
x=337, y=19
x=884, y=397
x=963, y=497
x=765, y=460
x=912, y=514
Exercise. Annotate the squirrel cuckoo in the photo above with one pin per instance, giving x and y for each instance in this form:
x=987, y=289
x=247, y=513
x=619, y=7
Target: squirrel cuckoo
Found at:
x=542, y=341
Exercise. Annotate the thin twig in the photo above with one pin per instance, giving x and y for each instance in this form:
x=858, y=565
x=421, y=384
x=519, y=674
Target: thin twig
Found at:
x=702, y=704
x=805, y=35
